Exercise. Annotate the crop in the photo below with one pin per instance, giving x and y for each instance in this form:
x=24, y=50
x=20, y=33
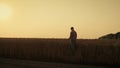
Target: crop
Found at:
x=89, y=51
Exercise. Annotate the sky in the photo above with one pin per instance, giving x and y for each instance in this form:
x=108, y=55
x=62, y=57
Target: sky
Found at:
x=53, y=18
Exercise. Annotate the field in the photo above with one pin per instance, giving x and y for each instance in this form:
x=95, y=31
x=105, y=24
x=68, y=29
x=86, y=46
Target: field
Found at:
x=96, y=52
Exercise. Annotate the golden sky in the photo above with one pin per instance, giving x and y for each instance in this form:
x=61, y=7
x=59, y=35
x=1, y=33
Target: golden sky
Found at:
x=53, y=18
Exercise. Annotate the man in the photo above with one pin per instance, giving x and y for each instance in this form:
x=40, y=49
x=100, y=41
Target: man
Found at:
x=73, y=37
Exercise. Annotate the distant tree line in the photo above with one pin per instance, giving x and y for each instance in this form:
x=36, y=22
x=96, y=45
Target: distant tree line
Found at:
x=111, y=36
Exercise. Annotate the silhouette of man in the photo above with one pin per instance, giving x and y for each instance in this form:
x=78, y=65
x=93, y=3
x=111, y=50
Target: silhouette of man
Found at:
x=73, y=37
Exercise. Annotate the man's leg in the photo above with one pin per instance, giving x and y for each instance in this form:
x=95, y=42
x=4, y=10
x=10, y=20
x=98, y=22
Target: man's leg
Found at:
x=73, y=47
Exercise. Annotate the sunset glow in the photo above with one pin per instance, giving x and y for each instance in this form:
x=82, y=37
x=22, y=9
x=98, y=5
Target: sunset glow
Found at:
x=53, y=18
x=5, y=12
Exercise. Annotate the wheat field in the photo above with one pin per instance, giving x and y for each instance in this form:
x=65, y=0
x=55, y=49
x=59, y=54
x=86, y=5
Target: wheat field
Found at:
x=89, y=51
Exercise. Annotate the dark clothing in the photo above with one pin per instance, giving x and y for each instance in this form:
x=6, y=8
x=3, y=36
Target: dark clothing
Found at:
x=73, y=37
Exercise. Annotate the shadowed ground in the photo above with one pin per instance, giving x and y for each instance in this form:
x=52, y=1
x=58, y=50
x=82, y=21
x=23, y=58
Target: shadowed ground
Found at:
x=15, y=63
x=92, y=52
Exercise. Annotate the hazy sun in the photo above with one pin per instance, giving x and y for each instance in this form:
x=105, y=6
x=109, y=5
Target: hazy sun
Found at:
x=5, y=12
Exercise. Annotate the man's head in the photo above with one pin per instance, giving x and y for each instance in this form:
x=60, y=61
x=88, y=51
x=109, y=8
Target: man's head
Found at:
x=72, y=28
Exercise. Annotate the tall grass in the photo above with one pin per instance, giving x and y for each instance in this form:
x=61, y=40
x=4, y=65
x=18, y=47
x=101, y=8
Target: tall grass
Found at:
x=58, y=50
